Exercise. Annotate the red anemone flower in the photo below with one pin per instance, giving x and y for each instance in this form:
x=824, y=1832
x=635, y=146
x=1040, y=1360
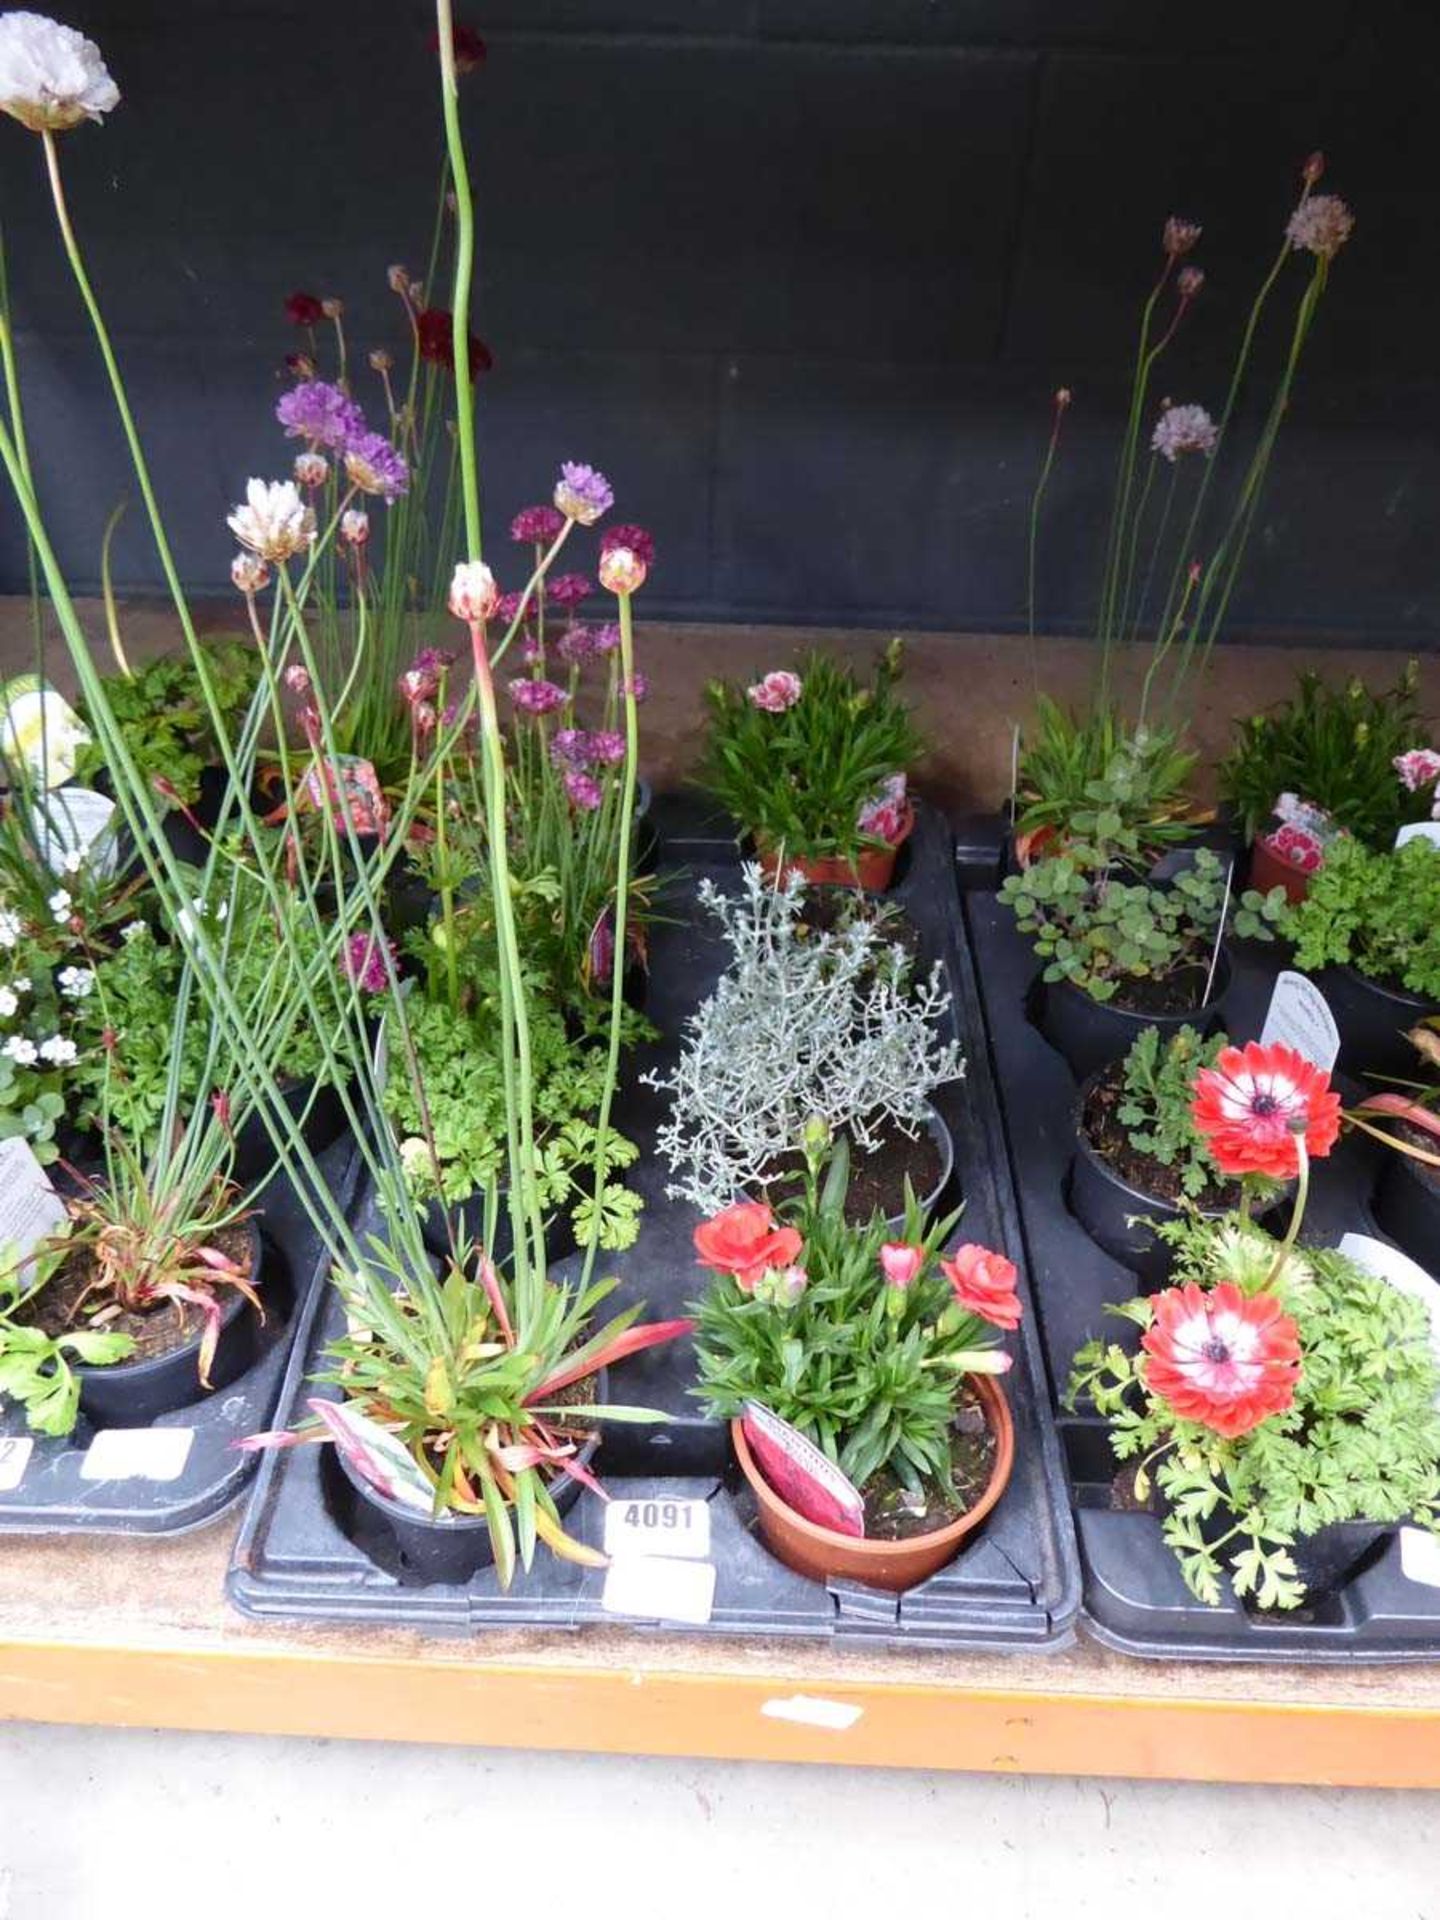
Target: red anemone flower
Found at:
x=1255, y=1102
x=744, y=1240
x=1221, y=1358
x=435, y=332
x=304, y=310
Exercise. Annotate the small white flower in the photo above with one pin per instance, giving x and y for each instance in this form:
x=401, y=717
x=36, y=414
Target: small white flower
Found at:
x=20, y=1050
x=355, y=527
x=9, y=927
x=58, y=1051
x=132, y=930
x=51, y=77
x=75, y=982
x=59, y=904
x=273, y=520
x=415, y=1156
x=249, y=573
x=9, y=1003
x=474, y=595
x=73, y=861
x=22, y=985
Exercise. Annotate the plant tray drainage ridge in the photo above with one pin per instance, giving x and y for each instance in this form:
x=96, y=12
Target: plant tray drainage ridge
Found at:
x=1017, y=1586
x=1134, y=1597
x=53, y=1493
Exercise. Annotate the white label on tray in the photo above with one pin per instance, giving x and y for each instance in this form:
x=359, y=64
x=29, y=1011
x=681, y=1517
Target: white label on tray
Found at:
x=30, y=1209
x=835, y=1716
x=668, y=1529
x=1388, y=1263
x=138, y=1453
x=1419, y=830
x=647, y=1589
x=1420, y=1556
x=76, y=820
x=14, y=1458
x=1300, y=1017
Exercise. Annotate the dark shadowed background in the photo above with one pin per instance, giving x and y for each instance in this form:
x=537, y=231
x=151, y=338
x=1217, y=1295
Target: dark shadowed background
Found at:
x=801, y=275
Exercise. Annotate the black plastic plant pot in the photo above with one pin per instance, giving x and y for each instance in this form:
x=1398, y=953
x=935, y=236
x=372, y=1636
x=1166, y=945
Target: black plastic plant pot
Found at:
x=945, y=1146
x=255, y=1154
x=1407, y=1207
x=1372, y=1020
x=132, y=1393
x=451, y=1550
x=1329, y=1560
x=1091, y=1033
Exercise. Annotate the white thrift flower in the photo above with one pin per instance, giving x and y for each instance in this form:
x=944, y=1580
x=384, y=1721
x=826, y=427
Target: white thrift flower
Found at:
x=22, y=985
x=76, y=982
x=9, y=927
x=9, y=1003
x=132, y=930
x=58, y=1051
x=59, y=904
x=249, y=573
x=273, y=520
x=474, y=595
x=1184, y=430
x=51, y=77
x=20, y=1050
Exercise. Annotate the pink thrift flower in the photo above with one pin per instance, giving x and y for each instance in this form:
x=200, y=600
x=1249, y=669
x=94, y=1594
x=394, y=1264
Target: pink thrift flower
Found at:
x=584, y=791
x=568, y=590
x=536, y=526
x=776, y=692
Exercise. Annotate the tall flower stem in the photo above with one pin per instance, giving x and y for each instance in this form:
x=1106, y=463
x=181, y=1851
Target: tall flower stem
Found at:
x=464, y=271
x=1297, y=1212
x=1062, y=401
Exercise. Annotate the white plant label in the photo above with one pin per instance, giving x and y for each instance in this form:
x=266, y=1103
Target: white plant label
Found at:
x=1299, y=1016
x=14, y=1458
x=39, y=730
x=667, y=1529
x=1389, y=1264
x=30, y=1209
x=646, y=1589
x=1419, y=830
x=77, y=820
x=834, y=1716
x=138, y=1453
x=1420, y=1556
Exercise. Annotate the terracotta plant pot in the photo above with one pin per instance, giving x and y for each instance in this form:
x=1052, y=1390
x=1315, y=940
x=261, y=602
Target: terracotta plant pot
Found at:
x=893, y=1565
x=872, y=869
x=1271, y=869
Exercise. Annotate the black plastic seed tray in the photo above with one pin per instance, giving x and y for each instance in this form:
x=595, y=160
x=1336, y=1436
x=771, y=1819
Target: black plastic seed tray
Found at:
x=46, y=1484
x=1134, y=1597
x=1017, y=1586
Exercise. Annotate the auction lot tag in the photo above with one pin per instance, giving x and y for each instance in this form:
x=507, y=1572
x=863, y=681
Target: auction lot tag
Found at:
x=1419, y=830
x=647, y=1589
x=14, y=1458
x=1403, y=1273
x=1299, y=1016
x=1420, y=1556
x=75, y=820
x=664, y=1529
x=138, y=1453
x=30, y=1209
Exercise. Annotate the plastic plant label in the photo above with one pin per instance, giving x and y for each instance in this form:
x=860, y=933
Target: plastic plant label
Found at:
x=39, y=731
x=138, y=1453
x=653, y=1589
x=1299, y=1016
x=30, y=1209
x=801, y=1474
x=834, y=1716
x=1420, y=1556
x=1403, y=1273
x=74, y=828
x=667, y=1529
x=1419, y=830
x=14, y=1458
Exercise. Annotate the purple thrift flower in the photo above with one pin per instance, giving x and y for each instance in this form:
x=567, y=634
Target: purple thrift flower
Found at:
x=575, y=646
x=1186, y=429
x=568, y=748
x=584, y=791
x=583, y=493
x=639, y=687
x=321, y=413
x=375, y=467
x=507, y=606
x=536, y=525
x=529, y=649
x=605, y=749
x=605, y=639
x=365, y=962
x=568, y=590
x=537, y=696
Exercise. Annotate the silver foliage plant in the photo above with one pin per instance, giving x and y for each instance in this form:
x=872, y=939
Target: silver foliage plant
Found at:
x=802, y=1024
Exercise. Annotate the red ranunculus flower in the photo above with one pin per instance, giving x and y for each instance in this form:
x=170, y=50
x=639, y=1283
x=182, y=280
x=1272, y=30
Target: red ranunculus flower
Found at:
x=435, y=332
x=744, y=1240
x=1255, y=1102
x=1221, y=1358
x=304, y=310
x=983, y=1283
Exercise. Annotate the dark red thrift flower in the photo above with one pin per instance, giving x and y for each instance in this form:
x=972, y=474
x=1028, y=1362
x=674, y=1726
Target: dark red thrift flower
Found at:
x=435, y=329
x=635, y=538
x=469, y=48
x=304, y=310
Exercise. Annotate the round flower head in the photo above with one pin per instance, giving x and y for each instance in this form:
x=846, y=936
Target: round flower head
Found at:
x=537, y=696
x=1320, y=225
x=354, y=526
x=1418, y=768
x=374, y=466
x=1183, y=430
x=322, y=413
x=574, y=646
x=304, y=310
x=311, y=470
x=469, y=48
x=273, y=520
x=983, y=1283
x=776, y=692
x=604, y=749
x=568, y=589
x=507, y=607
x=622, y=571
x=249, y=573
x=605, y=639
x=435, y=341
x=744, y=1241
x=570, y=748
x=1179, y=236
x=637, y=688
x=364, y=961
x=584, y=791
x=1256, y=1102
x=536, y=526
x=1189, y=281
x=51, y=77
x=635, y=538
x=297, y=679
x=583, y=493
x=1224, y=1359
x=473, y=593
